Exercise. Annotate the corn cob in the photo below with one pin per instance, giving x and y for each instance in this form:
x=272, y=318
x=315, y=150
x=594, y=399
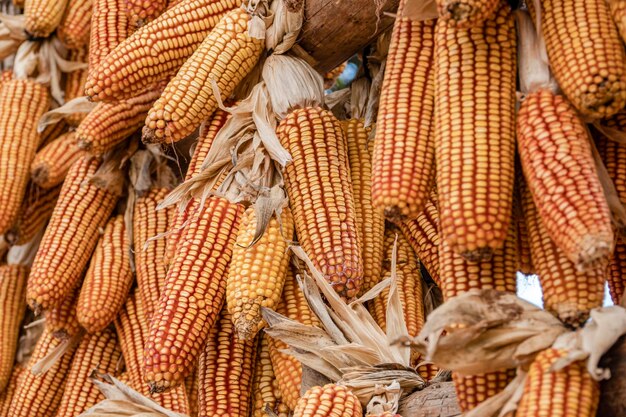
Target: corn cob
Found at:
x=466, y=13
x=264, y=390
x=12, y=308
x=52, y=132
x=75, y=26
x=405, y=256
x=141, y=12
x=75, y=80
x=40, y=395
x=614, y=153
x=7, y=395
x=321, y=196
x=403, y=166
x=67, y=245
x=109, y=28
x=586, y=54
x=567, y=292
x=110, y=123
x=475, y=147
x=52, y=162
x=36, y=209
x=225, y=371
x=192, y=295
x=61, y=320
x=191, y=388
x=570, y=392
x=108, y=278
x=617, y=271
x=96, y=351
x=524, y=258
x=288, y=369
x=472, y=390
x=188, y=99
x=618, y=11
x=42, y=17
x=427, y=371
x=331, y=399
x=133, y=67
x=257, y=273
x=24, y=102
x=576, y=214
x=371, y=224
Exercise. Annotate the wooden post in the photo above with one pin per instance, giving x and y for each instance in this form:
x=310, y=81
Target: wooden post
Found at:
x=436, y=400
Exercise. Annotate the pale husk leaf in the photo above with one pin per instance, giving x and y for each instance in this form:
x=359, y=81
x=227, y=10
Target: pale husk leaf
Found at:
x=12, y=34
x=359, y=90
x=52, y=358
x=367, y=382
x=284, y=31
x=28, y=340
x=418, y=10
x=534, y=71
x=75, y=105
x=25, y=254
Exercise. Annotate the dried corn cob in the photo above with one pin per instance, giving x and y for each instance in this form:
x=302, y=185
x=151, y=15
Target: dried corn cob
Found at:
x=617, y=272
x=331, y=399
x=24, y=102
x=466, y=13
x=618, y=11
x=110, y=123
x=371, y=223
x=472, y=390
x=225, y=371
x=53, y=161
x=141, y=12
x=42, y=17
x=36, y=209
x=403, y=165
x=75, y=26
x=524, y=258
x=475, y=146
x=570, y=392
x=188, y=99
x=7, y=395
x=132, y=68
x=67, y=245
x=257, y=273
x=192, y=295
x=108, y=278
x=586, y=54
x=75, y=80
x=264, y=392
x=568, y=293
x=61, y=320
x=321, y=196
x=576, y=214
x=191, y=387
x=12, y=308
x=52, y=132
x=405, y=256
x=614, y=153
x=96, y=351
x=109, y=28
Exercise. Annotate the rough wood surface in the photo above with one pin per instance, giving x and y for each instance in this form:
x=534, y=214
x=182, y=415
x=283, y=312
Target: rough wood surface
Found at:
x=334, y=30
x=436, y=400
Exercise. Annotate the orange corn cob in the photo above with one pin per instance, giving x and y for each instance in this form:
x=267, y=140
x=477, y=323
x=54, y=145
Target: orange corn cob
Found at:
x=108, y=278
x=225, y=371
x=618, y=11
x=188, y=99
x=331, y=399
x=264, y=389
x=36, y=209
x=570, y=392
x=614, y=153
x=70, y=237
x=405, y=256
x=76, y=24
x=475, y=145
x=466, y=13
x=141, y=12
x=42, y=17
x=321, y=196
x=403, y=165
x=96, y=351
x=23, y=103
x=567, y=292
x=524, y=258
x=473, y=390
x=193, y=294
x=7, y=395
x=109, y=28
x=75, y=80
x=191, y=387
x=617, y=272
x=257, y=273
x=53, y=161
x=52, y=132
x=110, y=123
x=371, y=223
x=134, y=67
x=586, y=54
x=61, y=320
x=12, y=308
x=575, y=214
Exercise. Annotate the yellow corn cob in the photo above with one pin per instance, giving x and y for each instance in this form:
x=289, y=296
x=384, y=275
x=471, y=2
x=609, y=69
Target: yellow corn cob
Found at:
x=12, y=308
x=288, y=369
x=472, y=390
x=134, y=66
x=264, y=390
x=427, y=371
x=75, y=25
x=23, y=103
x=475, y=145
x=617, y=272
x=109, y=28
x=568, y=293
x=150, y=265
x=141, y=12
x=192, y=296
x=226, y=56
x=36, y=209
x=70, y=237
x=61, y=320
x=586, y=54
x=191, y=388
x=405, y=256
x=329, y=400
x=108, y=278
x=570, y=392
x=575, y=214
x=7, y=395
x=52, y=162
x=320, y=193
x=42, y=17
x=40, y=395
x=75, y=80
x=257, y=273
x=403, y=165
x=614, y=153
x=225, y=371
x=466, y=13
x=52, y=132
x=618, y=10
x=96, y=351
x=110, y=123
x=371, y=223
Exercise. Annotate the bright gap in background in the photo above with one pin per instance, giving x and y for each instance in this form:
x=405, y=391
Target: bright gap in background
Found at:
x=529, y=289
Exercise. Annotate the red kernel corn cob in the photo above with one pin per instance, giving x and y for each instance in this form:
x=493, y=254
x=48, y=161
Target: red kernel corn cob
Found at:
x=617, y=272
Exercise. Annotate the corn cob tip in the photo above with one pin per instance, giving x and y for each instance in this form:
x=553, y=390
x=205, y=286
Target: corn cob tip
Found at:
x=61, y=334
x=478, y=255
x=247, y=325
x=83, y=144
x=570, y=314
x=158, y=387
x=395, y=215
x=11, y=236
x=39, y=175
x=149, y=136
x=595, y=251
